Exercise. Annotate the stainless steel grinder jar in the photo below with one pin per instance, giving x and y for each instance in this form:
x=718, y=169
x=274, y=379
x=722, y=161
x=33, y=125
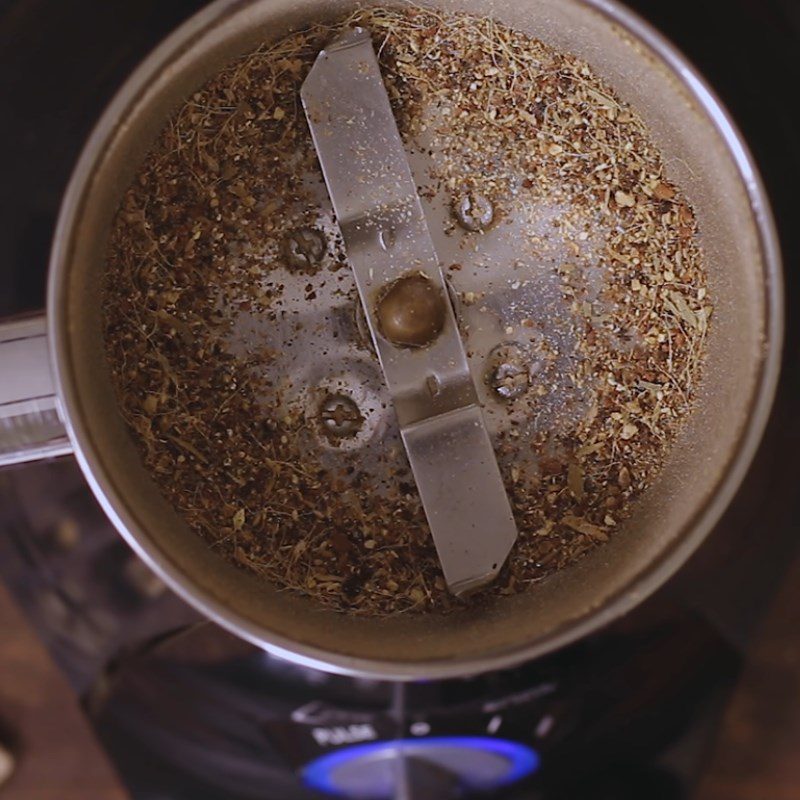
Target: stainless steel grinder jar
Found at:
x=57, y=394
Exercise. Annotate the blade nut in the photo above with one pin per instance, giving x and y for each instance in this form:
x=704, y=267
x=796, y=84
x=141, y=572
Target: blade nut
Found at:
x=474, y=212
x=304, y=249
x=339, y=417
x=411, y=311
x=508, y=375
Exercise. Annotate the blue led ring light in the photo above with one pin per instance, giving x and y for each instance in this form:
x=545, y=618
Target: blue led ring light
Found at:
x=324, y=774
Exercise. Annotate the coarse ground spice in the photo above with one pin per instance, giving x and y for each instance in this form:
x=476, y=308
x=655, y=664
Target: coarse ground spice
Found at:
x=224, y=238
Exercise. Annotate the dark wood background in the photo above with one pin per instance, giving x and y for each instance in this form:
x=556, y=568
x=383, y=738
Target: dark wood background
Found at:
x=46, y=115
x=58, y=757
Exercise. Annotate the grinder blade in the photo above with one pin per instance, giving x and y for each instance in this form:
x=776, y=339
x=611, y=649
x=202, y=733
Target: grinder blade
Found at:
x=411, y=321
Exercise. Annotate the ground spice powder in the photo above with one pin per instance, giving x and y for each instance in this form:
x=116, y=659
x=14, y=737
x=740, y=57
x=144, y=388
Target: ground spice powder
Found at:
x=220, y=219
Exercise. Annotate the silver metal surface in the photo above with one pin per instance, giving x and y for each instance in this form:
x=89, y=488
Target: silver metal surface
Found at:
x=30, y=427
x=386, y=236
x=641, y=63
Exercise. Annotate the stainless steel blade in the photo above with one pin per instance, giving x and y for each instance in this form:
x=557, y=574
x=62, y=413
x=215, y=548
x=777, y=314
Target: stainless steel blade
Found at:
x=386, y=236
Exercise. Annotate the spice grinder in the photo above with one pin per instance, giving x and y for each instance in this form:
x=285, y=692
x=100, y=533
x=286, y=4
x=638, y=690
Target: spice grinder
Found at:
x=58, y=397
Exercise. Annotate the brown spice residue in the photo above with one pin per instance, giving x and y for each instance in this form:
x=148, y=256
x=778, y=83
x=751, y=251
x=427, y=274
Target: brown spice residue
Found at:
x=210, y=227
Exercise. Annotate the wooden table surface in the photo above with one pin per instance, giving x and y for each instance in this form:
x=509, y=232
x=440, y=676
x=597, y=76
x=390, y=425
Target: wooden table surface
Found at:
x=58, y=757
x=757, y=756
